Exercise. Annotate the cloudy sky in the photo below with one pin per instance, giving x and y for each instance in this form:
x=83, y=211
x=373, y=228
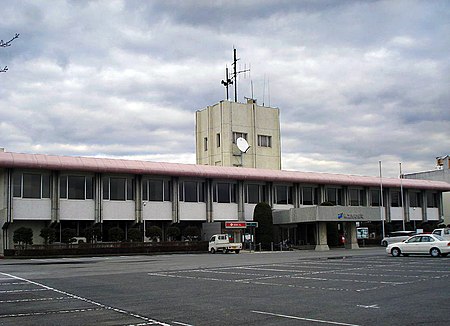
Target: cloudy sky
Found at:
x=356, y=81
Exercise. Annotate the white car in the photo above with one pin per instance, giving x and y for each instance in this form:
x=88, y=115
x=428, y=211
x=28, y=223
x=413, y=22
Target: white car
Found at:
x=396, y=236
x=429, y=244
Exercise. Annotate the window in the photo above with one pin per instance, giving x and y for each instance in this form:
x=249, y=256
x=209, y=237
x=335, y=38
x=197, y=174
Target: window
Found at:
x=156, y=190
x=31, y=185
x=236, y=135
x=375, y=197
x=205, y=143
x=356, y=197
x=76, y=187
x=310, y=196
x=432, y=199
x=254, y=193
x=264, y=141
x=396, y=200
x=334, y=196
x=283, y=195
x=115, y=188
x=225, y=193
x=218, y=140
x=17, y=185
x=415, y=199
x=192, y=191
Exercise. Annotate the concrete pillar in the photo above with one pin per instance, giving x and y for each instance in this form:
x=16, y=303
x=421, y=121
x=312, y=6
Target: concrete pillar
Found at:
x=351, y=242
x=321, y=244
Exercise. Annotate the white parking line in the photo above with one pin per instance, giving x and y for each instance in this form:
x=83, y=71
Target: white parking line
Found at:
x=99, y=305
x=303, y=318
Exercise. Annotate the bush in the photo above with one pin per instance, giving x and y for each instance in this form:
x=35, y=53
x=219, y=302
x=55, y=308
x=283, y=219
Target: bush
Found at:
x=134, y=235
x=191, y=233
x=93, y=234
x=23, y=236
x=49, y=235
x=116, y=234
x=153, y=232
x=173, y=232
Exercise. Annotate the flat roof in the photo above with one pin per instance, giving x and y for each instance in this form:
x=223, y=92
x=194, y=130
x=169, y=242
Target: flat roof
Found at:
x=108, y=165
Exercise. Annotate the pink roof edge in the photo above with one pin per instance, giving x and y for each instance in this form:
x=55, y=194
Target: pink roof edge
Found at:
x=99, y=165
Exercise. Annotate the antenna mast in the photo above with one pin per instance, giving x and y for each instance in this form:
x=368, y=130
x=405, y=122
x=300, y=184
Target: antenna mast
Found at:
x=227, y=82
x=235, y=73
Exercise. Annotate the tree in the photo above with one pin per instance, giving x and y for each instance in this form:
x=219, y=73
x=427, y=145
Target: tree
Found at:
x=134, y=235
x=67, y=235
x=173, y=232
x=23, y=236
x=191, y=233
x=153, y=232
x=116, y=234
x=4, y=45
x=48, y=234
x=264, y=232
x=93, y=233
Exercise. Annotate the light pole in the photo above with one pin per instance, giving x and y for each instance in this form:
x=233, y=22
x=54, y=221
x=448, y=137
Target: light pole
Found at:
x=381, y=201
x=401, y=194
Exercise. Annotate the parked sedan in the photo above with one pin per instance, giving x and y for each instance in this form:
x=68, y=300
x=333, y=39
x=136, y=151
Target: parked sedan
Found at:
x=430, y=244
x=396, y=236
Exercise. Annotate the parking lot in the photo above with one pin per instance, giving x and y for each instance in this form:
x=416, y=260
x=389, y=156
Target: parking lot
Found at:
x=360, y=287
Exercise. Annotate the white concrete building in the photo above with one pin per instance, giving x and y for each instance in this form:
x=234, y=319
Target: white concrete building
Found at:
x=440, y=173
x=37, y=191
x=218, y=126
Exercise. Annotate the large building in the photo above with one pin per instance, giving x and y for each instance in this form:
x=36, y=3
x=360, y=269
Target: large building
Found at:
x=220, y=125
x=38, y=191
x=440, y=173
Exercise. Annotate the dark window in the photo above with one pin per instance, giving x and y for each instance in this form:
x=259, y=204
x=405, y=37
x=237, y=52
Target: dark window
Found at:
x=375, y=197
x=31, y=185
x=89, y=188
x=201, y=192
x=190, y=191
x=264, y=141
x=415, y=199
x=117, y=188
x=105, y=188
x=17, y=185
x=167, y=192
x=432, y=199
x=63, y=186
x=283, y=194
x=156, y=190
x=145, y=190
x=76, y=187
x=205, y=143
x=218, y=140
x=334, y=196
x=253, y=194
x=225, y=193
x=395, y=199
x=307, y=196
x=237, y=135
x=130, y=189
x=45, y=186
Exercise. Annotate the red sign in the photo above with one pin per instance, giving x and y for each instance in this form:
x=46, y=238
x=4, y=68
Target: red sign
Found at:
x=236, y=225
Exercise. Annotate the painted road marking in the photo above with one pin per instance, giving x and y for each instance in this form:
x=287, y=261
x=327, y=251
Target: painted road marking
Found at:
x=303, y=318
x=67, y=294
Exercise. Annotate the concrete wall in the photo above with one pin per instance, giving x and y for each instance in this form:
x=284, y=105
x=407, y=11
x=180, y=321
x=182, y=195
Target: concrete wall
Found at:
x=226, y=117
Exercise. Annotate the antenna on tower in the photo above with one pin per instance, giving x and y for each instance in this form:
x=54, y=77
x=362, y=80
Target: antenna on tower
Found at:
x=227, y=82
x=236, y=72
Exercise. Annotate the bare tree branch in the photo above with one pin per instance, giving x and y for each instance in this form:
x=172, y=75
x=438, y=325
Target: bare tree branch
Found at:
x=4, y=69
x=8, y=43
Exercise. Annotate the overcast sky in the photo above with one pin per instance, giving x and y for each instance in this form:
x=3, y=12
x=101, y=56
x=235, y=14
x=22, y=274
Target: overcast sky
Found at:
x=356, y=81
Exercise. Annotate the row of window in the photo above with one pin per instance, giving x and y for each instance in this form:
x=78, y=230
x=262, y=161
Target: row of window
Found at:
x=33, y=185
x=263, y=140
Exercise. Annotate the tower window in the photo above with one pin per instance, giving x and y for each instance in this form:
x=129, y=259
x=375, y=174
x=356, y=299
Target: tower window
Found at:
x=264, y=141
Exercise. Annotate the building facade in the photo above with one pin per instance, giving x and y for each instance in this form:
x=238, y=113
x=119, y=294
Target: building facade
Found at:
x=39, y=191
x=440, y=173
x=218, y=126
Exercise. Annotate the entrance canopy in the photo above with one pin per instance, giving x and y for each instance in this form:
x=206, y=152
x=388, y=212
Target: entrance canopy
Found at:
x=326, y=214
